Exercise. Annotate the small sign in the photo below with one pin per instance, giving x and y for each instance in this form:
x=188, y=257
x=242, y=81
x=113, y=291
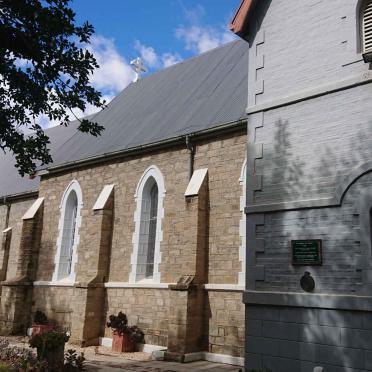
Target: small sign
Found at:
x=306, y=252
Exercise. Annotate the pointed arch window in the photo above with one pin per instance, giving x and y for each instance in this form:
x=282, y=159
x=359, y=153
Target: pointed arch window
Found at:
x=242, y=227
x=68, y=238
x=148, y=233
x=149, y=211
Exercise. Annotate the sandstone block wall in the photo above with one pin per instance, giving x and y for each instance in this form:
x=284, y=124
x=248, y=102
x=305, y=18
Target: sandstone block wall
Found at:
x=148, y=308
x=56, y=302
x=225, y=323
x=17, y=210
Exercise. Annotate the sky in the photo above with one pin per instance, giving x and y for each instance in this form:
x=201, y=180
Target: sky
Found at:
x=161, y=32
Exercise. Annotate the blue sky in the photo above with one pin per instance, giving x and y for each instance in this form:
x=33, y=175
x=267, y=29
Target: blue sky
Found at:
x=161, y=32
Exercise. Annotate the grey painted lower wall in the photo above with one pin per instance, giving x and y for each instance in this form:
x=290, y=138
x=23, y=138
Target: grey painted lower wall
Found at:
x=286, y=339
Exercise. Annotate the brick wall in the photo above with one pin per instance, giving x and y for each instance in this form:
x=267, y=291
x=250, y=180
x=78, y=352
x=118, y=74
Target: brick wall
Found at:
x=298, y=339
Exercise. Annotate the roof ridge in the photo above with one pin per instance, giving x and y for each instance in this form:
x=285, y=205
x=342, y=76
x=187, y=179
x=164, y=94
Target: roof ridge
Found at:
x=188, y=59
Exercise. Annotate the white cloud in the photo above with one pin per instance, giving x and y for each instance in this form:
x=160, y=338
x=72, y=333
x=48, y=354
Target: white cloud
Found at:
x=114, y=73
x=147, y=53
x=153, y=60
x=169, y=59
x=200, y=39
x=197, y=36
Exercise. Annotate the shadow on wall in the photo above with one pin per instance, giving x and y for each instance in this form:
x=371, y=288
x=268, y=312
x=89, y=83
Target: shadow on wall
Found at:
x=55, y=303
x=323, y=330
x=334, y=225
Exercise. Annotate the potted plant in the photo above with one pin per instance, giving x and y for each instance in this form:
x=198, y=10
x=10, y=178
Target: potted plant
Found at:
x=40, y=324
x=124, y=336
x=50, y=347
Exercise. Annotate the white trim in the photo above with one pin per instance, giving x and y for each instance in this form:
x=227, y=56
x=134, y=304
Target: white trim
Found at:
x=191, y=357
x=73, y=186
x=152, y=171
x=242, y=225
x=105, y=341
x=137, y=285
x=225, y=359
x=31, y=212
x=103, y=197
x=224, y=287
x=60, y=283
x=146, y=348
x=196, y=182
x=7, y=230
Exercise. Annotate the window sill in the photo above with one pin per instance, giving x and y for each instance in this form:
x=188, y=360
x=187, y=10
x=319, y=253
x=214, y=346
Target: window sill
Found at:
x=54, y=284
x=142, y=284
x=224, y=287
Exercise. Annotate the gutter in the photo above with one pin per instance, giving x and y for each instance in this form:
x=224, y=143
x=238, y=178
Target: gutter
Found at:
x=13, y=197
x=179, y=140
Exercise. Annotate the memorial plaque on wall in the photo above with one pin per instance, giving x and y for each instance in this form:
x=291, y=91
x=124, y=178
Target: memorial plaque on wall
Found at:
x=306, y=252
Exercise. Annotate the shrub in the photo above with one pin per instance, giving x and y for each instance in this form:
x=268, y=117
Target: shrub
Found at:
x=119, y=323
x=48, y=341
x=73, y=361
x=16, y=358
x=40, y=318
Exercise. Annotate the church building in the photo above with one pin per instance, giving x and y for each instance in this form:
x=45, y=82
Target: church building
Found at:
x=147, y=219
x=226, y=208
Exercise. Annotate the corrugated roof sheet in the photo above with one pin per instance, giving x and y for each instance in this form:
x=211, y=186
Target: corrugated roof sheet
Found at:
x=191, y=96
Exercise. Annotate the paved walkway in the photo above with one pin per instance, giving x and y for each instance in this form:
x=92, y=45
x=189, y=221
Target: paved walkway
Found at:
x=101, y=359
x=157, y=366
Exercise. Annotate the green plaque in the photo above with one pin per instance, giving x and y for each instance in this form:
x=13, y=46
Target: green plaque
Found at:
x=306, y=252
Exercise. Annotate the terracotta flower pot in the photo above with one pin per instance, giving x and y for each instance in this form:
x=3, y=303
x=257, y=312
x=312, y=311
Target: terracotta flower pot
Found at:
x=122, y=343
x=38, y=329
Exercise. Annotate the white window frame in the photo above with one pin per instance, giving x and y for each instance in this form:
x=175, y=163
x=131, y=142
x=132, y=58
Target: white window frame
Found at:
x=152, y=171
x=74, y=186
x=242, y=225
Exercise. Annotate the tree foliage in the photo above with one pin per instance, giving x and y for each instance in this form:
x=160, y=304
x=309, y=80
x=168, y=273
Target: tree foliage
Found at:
x=44, y=70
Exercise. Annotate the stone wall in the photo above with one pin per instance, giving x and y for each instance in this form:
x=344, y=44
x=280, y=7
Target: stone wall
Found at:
x=225, y=322
x=149, y=307
x=3, y=214
x=17, y=210
x=224, y=161
x=146, y=308
x=55, y=302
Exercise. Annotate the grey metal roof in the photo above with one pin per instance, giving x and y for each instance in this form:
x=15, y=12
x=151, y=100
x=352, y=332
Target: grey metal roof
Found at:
x=11, y=183
x=194, y=95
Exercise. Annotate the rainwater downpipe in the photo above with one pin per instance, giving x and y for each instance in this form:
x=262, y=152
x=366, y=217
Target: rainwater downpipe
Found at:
x=191, y=150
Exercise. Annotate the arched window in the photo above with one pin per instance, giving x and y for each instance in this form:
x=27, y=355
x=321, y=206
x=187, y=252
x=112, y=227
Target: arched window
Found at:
x=149, y=212
x=366, y=26
x=68, y=238
x=242, y=227
x=148, y=231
